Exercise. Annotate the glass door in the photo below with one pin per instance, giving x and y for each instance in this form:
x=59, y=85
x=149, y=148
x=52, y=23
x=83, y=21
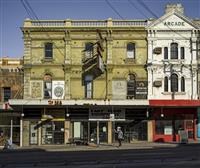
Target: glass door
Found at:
x=189, y=127
x=33, y=134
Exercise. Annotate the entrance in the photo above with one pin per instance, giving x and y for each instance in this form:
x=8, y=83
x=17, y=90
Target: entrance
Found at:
x=33, y=134
x=98, y=129
x=53, y=132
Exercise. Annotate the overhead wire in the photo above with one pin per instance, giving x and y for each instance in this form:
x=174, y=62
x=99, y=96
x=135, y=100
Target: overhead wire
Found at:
x=34, y=16
x=116, y=11
x=151, y=12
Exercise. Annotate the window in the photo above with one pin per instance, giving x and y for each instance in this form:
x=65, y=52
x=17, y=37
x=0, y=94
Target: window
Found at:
x=49, y=50
x=88, y=87
x=174, y=83
x=174, y=51
x=47, y=86
x=6, y=94
x=131, y=86
x=88, y=50
x=182, y=84
x=165, y=52
x=166, y=84
x=164, y=127
x=182, y=53
x=130, y=50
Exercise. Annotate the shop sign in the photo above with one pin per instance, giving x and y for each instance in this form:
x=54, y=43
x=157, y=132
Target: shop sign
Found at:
x=55, y=102
x=58, y=89
x=168, y=130
x=105, y=114
x=157, y=83
x=141, y=90
x=174, y=24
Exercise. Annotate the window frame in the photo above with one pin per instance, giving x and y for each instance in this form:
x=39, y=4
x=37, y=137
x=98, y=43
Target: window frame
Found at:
x=88, y=81
x=166, y=85
x=48, y=51
x=130, y=51
x=6, y=98
x=131, y=81
x=174, y=82
x=165, y=52
x=174, y=50
x=182, y=52
x=47, y=90
x=89, y=50
x=182, y=84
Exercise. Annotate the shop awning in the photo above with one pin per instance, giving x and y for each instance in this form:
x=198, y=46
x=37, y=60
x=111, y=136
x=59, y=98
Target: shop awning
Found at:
x=43, y=102
x=174, y=103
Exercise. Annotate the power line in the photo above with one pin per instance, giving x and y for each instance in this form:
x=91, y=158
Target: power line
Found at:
x=150, y=11
x=34, y=16
x=140, y=11
x=115, y=10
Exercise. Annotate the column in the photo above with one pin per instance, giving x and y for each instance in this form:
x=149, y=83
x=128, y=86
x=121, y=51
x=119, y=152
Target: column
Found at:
x=110, y=132
x=21, y=132
x=150, y=130
x=67, y=131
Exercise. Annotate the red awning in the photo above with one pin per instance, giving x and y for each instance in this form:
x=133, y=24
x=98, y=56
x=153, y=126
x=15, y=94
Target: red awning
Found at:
x=174, y=103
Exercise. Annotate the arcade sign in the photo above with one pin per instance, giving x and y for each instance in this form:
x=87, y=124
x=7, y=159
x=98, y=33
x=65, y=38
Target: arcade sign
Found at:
x=174, y=24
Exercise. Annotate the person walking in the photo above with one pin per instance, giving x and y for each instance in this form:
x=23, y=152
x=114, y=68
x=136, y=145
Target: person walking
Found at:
x=119, y=135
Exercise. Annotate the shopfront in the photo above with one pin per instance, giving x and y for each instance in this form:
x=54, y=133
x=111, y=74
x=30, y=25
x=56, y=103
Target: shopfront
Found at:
x=172, y=118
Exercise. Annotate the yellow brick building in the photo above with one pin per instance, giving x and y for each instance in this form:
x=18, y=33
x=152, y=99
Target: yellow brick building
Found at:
x=82, y=79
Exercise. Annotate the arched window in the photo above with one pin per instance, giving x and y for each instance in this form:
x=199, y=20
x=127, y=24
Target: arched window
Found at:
x=131, y=50
x=182, y=53
x=174, y=83
x=89, y=87
x=88, y=50
x=48, y=50
x=174, y=51
x=131, y=86
x=166, y=84
x=47, y=86
x=165, y=52
x=182, y=84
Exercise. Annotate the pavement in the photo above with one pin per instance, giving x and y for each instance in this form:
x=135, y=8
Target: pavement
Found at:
x=90, y=147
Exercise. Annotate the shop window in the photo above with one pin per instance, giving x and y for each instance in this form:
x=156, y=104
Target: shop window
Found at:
x=89, y=50
x=179, y=125
x=166, y=84
x=6, y=93
x=88, y=87
x=131, y=86
x=182, y=53
x=174, y=51
x=182, y=84
x=131, y=50
x=165, y=52
x=164, y=127
x=47, y=86
x=174, y=83
x=48, y=50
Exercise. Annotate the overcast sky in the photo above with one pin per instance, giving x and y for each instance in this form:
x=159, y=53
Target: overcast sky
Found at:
x=12, y=15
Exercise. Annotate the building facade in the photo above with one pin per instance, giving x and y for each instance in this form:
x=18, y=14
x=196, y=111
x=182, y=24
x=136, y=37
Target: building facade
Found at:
x=11, y=81
x=82, y=79
x=173, y=74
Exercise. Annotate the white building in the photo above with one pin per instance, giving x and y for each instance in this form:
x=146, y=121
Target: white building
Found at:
x=172, y=56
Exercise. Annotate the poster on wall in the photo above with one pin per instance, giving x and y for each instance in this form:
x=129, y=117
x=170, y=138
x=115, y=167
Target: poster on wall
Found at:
x=58, y=89
x=168, y=130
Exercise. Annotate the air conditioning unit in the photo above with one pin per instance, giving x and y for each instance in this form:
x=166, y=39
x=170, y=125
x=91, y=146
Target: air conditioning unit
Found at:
x=157, y=83
x=157, y=50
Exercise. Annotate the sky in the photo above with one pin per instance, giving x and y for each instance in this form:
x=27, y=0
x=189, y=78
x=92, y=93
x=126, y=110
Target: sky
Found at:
x=13, y=14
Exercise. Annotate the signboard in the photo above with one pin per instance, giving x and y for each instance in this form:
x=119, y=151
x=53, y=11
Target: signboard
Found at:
x=58, y=90
x=106, y=115
x=157, y=83
x=141, y=90
x=168, y=130
x=119, y=89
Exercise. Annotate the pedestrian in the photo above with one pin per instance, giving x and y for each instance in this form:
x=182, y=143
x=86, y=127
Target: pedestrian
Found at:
x=119, y=135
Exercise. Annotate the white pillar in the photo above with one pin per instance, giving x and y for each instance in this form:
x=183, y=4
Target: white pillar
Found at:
x=11, y=131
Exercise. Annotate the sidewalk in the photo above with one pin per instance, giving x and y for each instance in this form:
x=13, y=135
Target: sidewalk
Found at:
x=90, y=147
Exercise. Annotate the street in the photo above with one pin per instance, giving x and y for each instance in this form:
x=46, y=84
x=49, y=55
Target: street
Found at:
x=185, y=156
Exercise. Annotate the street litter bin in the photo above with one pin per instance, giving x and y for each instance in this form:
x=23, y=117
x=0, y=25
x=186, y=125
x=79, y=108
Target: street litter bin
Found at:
x=183, y=136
